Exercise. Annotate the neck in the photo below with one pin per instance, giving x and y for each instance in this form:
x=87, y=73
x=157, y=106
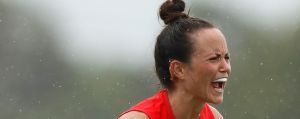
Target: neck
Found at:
x=184, y=105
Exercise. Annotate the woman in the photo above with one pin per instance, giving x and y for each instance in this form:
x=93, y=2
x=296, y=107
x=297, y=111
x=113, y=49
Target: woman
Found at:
x=192, y=63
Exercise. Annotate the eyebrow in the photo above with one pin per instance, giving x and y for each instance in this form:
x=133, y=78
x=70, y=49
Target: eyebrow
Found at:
x=219, y=54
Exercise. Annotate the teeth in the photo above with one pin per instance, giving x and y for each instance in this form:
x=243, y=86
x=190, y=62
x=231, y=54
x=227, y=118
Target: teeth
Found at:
x=220, y=80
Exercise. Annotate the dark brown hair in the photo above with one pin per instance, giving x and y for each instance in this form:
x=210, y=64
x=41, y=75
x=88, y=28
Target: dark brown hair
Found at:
x=173, y=42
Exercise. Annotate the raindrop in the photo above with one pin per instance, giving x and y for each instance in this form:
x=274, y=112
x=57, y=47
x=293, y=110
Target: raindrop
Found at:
x=0, y=20
x=123, y=85
x=12, y=66
x=271, y=79
x=281, y=100
x=291, y=63
x=118, y=84
x=243, y=58
x=249, y=50
x=294, y=80
x=97, y=78
x=208, y=13
x=261, y=91
x=261, y=63
x=91, y=69
x=60, y=86
x=234, y=105
x=267, y=116
x=11, y=99
x=227, y=17
x=228, y=92
x=20, y=110
x=275, y=29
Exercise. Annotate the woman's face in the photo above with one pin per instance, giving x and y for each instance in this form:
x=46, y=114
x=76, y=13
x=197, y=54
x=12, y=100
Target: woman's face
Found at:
x=209, y=62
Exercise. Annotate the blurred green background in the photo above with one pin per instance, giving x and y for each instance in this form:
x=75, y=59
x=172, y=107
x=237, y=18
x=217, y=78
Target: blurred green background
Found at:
x=94, y=59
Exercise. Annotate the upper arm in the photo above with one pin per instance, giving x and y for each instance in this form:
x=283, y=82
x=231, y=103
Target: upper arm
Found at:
x=216, y=113
x=134, y=115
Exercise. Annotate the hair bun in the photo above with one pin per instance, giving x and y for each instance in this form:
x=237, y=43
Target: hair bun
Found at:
x=171, y=11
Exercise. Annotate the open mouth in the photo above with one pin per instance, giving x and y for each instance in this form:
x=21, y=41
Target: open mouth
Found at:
x=219, y=84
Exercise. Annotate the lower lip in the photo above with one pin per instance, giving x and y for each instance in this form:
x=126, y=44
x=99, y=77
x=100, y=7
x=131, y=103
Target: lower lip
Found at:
x=218, y=89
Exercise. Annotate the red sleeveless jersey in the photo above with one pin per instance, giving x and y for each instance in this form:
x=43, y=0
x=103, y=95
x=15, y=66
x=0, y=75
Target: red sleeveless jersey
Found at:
x=158, y=107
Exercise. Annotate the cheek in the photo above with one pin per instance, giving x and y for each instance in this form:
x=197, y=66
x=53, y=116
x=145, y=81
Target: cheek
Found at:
x=207, y=71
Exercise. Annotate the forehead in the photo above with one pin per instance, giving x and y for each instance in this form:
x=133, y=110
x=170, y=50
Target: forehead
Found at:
x=209, y=40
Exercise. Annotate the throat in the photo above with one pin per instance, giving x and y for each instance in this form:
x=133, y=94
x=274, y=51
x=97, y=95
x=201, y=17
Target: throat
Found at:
x=184, y=105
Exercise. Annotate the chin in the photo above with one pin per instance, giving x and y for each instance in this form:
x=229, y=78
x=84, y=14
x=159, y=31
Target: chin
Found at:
x=217, y=100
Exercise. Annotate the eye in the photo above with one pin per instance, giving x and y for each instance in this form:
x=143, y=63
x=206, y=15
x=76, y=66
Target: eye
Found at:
x=215, y=58
x=227, y=57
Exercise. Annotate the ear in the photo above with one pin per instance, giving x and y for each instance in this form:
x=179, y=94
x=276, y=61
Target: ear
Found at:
x=176, y=70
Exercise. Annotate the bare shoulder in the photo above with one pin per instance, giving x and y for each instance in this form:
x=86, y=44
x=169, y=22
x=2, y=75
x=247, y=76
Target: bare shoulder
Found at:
x=216, y=113
x=134, y=115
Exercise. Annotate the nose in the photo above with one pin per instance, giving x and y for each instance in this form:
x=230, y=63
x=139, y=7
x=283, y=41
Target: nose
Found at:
x=224, y=66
